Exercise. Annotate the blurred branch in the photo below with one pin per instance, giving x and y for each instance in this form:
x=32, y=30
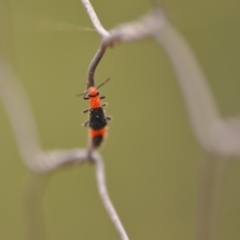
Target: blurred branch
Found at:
x=212, y=175
x=33, y=209
x=201, y=106
x=220, y=138
x=123, y=33
x=204, y=197
x=17, y=106
x=42, y=163
x=217, y=136
x=218, y=184
x=128, y=32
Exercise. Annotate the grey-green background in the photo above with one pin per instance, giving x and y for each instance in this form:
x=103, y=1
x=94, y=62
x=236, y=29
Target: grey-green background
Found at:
x=152, y=157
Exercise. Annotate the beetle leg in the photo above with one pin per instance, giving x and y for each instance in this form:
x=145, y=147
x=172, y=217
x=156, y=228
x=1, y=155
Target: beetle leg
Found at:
x=86, y=110
x=86, y=124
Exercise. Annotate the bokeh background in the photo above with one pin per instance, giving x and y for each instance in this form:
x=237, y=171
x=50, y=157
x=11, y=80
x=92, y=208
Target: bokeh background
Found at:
x=152, y=157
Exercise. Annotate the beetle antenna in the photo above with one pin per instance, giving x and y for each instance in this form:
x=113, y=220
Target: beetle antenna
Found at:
x=103, y=83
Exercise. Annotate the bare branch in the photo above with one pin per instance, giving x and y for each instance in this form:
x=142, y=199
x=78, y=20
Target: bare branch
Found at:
x=17, y=106
x=41, y=163
x=93, y=65
x=201, y=106
x=144, y=27
x=47, y=163
x=94, y=18
x=56, y=159
x=204, y=197
x=52, y=160
x=102, y=188
x=219, y=137
x=216, y=135
x=218, y=185
x=124, y=33
x=33, y=210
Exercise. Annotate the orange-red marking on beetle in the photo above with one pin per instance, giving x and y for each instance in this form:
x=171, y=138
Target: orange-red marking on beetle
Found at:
x=97, y=120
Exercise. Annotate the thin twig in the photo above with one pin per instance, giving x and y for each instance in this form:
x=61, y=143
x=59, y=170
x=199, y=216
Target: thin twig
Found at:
x=24, y=128
x=218, y=185
x=210, y=194
x=42, y=163
x=133, y=31
x=77, y=156
x=102, y=188
x=35, y=188
x=33, y=209
x=93, y=65
x=123, y=33
x=100, y=52
x=94, y=18
x=204, y=197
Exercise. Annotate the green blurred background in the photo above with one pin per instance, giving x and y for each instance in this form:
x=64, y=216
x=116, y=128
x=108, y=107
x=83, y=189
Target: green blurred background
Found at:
x=152, y=157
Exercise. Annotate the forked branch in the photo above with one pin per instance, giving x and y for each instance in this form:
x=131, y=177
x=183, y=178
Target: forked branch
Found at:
x=43, y=163
x=128, y=32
